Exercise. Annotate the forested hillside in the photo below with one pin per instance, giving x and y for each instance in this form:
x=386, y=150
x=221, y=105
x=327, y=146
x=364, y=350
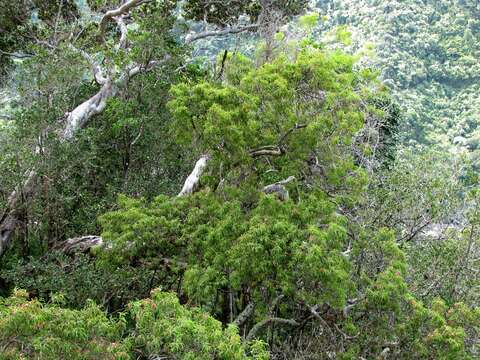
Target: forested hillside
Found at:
x=427, y=52
x=254, y=179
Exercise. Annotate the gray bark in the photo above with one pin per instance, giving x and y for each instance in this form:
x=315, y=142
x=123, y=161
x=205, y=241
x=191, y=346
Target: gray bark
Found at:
x=233, y=30
x=279, y=188
x=244, y=315
x=82, y=244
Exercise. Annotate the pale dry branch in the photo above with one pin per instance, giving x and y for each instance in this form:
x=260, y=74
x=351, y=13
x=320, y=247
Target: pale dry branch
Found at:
x=121, y=10
x=192, y=181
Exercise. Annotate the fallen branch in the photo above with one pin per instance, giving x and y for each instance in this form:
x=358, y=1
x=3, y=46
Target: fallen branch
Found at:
x=83, y=244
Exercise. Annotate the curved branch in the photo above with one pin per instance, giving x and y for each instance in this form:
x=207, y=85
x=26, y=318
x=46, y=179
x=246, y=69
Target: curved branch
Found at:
x=279, y=188
x=111, y=14
x=122, y=44
x=289, y=131
x=233, y=30
x=279, y=149
x=269, y=150
x=78, y=118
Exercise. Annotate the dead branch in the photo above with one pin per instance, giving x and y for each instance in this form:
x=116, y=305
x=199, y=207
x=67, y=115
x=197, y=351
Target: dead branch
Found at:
x=193, y=180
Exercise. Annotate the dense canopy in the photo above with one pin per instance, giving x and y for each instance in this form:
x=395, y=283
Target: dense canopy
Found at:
x=265, y=179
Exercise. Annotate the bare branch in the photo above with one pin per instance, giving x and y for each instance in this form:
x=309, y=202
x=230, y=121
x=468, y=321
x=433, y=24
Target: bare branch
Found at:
x=81, y=244
x=279, y=188
x=314, y=312
x=136, y=69
x=253, y=332
x=289, y=131
x=78, y=118
x=85, y=243
x=351, y=303
x=269, y=150
x=16, y=55
x=191, y=184
x=276, y=150
x=233, y=30
x=123, y=31
x=244, y=315
x=139, y=135
x=111, y=14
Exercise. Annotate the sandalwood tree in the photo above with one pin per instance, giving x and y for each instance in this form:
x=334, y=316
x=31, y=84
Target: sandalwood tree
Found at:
x=267, y=238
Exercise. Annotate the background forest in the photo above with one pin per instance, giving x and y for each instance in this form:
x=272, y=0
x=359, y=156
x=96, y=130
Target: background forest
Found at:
x=239, y=179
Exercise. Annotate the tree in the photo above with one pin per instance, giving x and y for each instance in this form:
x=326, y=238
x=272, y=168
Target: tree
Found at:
x=144, y=39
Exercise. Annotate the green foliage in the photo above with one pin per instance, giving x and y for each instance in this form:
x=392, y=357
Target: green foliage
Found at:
x=31, y=329
x=308, y=21
x=419, y=188
x=263, y=249
x=230, y=246
x=344, y=260
x=79, y=279
x=158, y=326
x=220, y=233
x=426, y=51
x=311, y=106
x=165, y=327
x=228, y=12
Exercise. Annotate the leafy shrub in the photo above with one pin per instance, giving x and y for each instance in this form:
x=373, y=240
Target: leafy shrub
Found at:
x=154, y=327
